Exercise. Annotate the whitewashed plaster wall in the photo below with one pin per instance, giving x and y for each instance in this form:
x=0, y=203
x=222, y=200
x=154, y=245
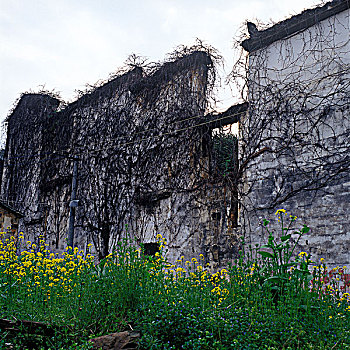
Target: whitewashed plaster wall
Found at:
x=310, y=73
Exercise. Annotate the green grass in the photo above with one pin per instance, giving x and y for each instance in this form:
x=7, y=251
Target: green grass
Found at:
x=270, y=298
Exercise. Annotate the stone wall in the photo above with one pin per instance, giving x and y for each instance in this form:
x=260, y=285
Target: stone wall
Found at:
x=145, y=164
x=25, y=156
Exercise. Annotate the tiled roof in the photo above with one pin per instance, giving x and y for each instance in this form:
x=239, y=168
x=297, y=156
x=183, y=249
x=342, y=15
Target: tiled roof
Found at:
x=11, y=210
x=295, y=24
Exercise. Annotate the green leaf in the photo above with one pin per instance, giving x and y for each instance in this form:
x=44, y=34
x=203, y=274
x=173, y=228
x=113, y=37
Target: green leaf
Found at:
x=290, y=264
x=265, y=222
x=263, y=269
x=305, y=229
x=275, y=279
x=306, y=272
x=286, y=238
x=266, y=254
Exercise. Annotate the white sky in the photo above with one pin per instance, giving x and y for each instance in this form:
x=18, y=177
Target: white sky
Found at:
x=65, y=44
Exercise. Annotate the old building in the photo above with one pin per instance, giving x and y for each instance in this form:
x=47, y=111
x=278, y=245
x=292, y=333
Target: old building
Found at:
x=298, y=127
x=145, y=159
x=9, y=220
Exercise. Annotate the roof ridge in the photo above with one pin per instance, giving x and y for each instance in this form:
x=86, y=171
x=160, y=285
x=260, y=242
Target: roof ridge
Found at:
x=294, y=24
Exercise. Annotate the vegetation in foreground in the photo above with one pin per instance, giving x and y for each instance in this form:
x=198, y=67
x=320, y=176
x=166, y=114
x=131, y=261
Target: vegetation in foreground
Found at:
x=270, y=298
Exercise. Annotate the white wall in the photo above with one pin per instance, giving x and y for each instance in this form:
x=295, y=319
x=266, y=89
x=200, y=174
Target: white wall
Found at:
x=299, y=90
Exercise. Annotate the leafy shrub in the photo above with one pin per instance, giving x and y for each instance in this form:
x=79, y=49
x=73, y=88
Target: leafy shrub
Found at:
x=225, y=153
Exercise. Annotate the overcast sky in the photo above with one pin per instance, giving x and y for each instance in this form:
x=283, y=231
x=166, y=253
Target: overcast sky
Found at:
x=65, y=44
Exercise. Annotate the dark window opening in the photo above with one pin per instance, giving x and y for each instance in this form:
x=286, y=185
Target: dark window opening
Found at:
x=216, y=216
x=224, y=164
x=234, y=211
x=151, y=249
x=206, y=144
x=215, y=252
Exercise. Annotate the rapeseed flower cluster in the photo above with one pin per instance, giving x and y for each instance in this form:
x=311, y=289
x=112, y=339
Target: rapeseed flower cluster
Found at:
x=37, y=269
x=191, y=276
x=75, y=290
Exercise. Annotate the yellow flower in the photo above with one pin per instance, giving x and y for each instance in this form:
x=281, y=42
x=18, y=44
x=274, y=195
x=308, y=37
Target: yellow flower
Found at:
x=216, y=290
x=280, y=211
